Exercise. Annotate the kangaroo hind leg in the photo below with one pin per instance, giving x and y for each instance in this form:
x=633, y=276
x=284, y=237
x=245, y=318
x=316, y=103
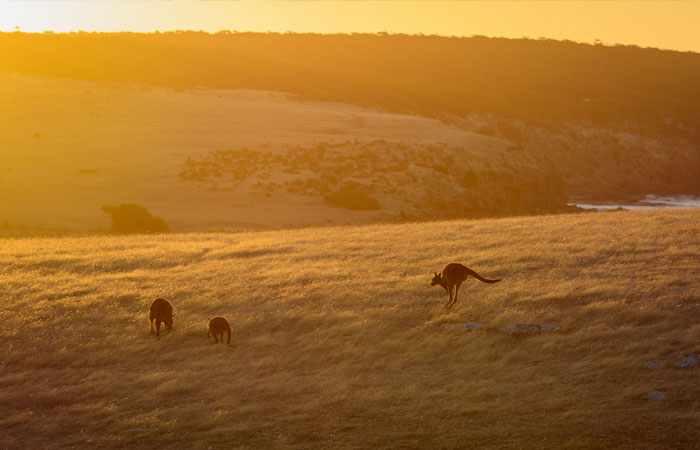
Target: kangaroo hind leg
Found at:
x=449, y=295
x=457, y=286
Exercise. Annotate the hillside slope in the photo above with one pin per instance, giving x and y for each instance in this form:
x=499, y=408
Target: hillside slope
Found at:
x=430, y=75
x=341, y=342
x=610, y=121
x=216, y=159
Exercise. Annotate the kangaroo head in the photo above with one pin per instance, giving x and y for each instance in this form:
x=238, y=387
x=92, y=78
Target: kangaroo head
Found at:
x=436, y=279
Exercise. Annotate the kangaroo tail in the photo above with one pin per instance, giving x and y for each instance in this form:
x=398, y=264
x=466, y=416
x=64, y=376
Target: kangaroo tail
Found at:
x=480, y=278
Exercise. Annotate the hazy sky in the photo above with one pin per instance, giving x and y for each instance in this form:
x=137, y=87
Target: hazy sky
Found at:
x=665, y=24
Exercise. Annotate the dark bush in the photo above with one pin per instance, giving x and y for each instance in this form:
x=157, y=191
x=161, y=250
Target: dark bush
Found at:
x=134, y=218
x=351, y=200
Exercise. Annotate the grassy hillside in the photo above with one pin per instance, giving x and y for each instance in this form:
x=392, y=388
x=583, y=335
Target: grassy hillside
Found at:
x=438, y=76
x=341, y=342
x=610, y=121
x=223, y=159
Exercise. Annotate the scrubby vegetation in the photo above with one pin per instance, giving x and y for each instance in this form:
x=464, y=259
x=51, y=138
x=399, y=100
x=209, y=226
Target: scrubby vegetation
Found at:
x=439, y=76
x=435, y=180
x=600, y=162
x=133, y=218
x=574, y=107
x=340, y=342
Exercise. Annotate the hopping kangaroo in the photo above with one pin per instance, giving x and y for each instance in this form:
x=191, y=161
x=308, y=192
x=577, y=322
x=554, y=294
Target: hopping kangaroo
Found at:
x=219, y=325
x=161, y=311
x=452, y=276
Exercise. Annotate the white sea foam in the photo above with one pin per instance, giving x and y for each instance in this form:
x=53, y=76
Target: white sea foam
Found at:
x=649, y=202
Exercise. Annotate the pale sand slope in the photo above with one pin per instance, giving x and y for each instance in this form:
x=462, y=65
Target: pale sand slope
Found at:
x=68, y=147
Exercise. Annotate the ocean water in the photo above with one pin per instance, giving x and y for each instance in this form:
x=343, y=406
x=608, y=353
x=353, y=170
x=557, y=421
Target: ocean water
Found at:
x=648, y=202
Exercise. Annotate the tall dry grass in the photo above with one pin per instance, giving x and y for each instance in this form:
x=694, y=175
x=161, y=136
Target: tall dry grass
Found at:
x=338, y=337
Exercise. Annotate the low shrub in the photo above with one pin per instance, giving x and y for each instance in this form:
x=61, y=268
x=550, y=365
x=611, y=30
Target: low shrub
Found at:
x=134, y=218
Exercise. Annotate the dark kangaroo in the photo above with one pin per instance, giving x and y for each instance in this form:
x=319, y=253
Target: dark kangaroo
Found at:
x=219, y=325
x=161, y=311
x=452, y=276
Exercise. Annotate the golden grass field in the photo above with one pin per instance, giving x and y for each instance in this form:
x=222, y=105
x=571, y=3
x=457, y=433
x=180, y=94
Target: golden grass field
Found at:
x=339, y=339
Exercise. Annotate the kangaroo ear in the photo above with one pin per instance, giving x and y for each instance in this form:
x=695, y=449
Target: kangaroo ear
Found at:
x=436, y=274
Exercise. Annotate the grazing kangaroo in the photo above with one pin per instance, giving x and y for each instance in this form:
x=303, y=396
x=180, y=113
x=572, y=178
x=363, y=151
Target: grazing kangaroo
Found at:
x=219, y=325
x=453, y=275
x=161, y=311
